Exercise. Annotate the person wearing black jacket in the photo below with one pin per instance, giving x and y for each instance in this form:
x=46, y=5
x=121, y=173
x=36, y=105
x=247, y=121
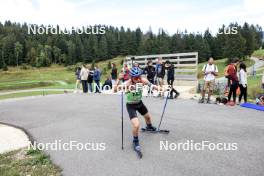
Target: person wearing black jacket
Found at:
x=90, y=81
x=150, y=72
x=114, y=74
x=170, y=79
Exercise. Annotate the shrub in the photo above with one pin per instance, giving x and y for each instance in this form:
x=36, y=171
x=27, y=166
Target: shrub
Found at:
x=24, y=67
x=43, y=61
x=71, y=68
x=109, y=65
x=5, y=68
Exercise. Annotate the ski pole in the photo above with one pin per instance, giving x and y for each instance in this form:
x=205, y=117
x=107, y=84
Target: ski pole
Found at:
x=122, y=118
x=163, y=110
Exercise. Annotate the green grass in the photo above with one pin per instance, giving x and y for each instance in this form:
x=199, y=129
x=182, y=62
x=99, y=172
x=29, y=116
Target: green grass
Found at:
x=27, y=94
x=221, y=65
x=260, y=70
x=259, y=53
x=254, y=86
x=17, y=79
x=27, y=162
x=56, y=76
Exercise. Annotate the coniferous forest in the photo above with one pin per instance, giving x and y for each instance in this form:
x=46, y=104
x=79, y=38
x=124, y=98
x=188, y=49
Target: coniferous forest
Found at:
x=18, y=47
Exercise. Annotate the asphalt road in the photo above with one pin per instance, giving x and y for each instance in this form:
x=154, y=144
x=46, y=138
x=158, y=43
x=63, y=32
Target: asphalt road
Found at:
x=97, y=119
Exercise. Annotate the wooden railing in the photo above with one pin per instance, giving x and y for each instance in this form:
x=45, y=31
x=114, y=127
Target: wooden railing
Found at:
x=186, y=64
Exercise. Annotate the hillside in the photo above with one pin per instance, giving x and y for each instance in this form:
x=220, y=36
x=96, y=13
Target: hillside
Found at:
x=56, y=76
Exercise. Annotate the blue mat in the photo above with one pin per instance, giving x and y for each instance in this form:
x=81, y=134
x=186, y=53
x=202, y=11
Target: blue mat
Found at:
x=252, y=106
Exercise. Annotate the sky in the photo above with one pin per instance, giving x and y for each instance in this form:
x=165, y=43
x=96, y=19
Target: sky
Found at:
x=171, y=15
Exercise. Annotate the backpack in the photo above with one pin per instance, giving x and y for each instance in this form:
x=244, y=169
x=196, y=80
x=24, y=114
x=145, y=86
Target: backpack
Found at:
x=226, y=71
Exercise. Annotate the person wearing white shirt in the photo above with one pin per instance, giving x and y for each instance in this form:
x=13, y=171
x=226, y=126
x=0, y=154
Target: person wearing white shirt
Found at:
x=243, y=82
x=84, y=76
x=210, y=71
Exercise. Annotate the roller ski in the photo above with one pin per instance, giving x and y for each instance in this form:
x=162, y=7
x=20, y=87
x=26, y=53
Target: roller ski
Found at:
x=152, y=129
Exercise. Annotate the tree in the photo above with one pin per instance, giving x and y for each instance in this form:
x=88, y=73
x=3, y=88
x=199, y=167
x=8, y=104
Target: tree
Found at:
x=73, y=48
x=250, y=38
x=42, y=60
x=32, y=56
x=70, y=53
x=235, y=46
x=57, y=54
x=102, y=51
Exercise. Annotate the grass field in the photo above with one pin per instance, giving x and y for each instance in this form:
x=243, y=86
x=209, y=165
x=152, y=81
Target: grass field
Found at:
x=27, y=162
x=56, y=76
x=259, y=54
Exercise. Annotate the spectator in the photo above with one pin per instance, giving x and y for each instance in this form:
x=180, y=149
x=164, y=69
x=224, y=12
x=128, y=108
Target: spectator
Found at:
x=232, y=74
x=260, y=99
x=113, y=74
x=108, y=84
x=243, y=82
x=136, y=64
x=126, y=73
x=263, y=80
x=90, y=80
x=150, y=71
x=78, y=79
x=170, y=79
x=96, y=78
x=84, y=76
x=160, y=72
x=210, y=71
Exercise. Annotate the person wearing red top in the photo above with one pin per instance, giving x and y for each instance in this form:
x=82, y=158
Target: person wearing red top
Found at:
x=232, y=75
x=126, y=73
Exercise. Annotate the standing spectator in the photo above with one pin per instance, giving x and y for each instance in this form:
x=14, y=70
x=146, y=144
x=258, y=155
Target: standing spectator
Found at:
x=90, y=80
x=210, y=71
x=170, y=79
x=96, y=78
x=243, y=82
x=113, y=74
x=78, y=79
x=135, y=64
x=160, y=73
x=263, y=80
x=232, y=74
x=150, y=71
x=84, y=76
x=126, y=73
x=254, y=71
